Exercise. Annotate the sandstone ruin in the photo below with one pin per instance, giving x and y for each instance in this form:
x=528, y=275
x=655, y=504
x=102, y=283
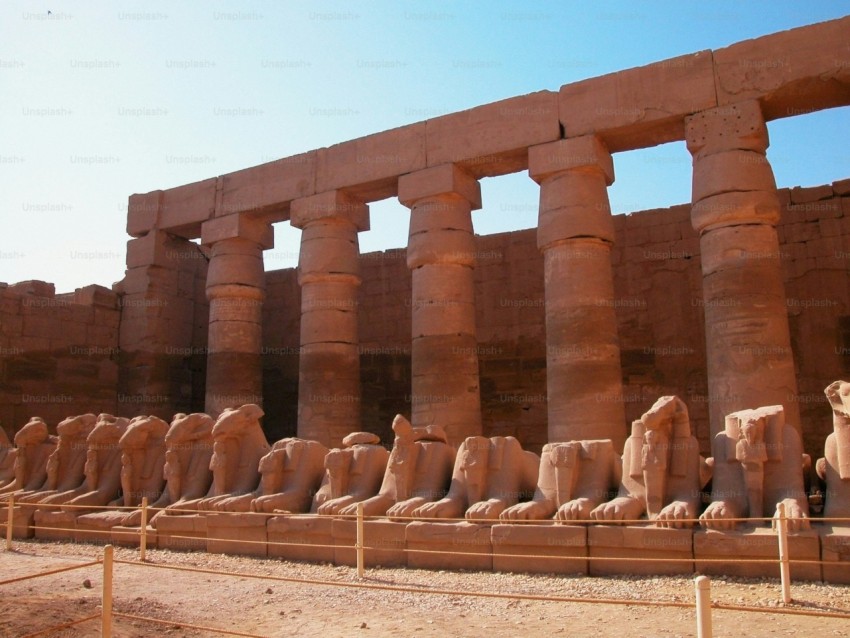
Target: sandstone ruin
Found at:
x=498, y=348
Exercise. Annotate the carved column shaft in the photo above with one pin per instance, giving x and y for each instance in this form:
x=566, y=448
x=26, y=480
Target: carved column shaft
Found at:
x=441, y=255
x=329, y=274
x=236, y=290
x=735, y=210
x=575, y=233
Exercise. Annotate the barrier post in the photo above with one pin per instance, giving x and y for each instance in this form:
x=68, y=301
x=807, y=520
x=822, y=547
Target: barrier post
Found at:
x=784, y=567
x=359, y=544
x=106, y=596
x=143, y=541
x=702, y=585
x=10, y=522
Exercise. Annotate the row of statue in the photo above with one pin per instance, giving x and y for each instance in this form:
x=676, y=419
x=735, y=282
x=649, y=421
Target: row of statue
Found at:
x=200, y=464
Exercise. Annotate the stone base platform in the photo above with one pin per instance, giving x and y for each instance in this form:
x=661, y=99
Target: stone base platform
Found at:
x=835, y=553
x=433, y=546
x=22, y=520
x=735, y=548
x=541, y=548
x=54, y=525
x=182, y=532
x=243, y=534
x=132, y=536
x=97, y=526
x=384, y=542
x=311, y=537
x=646, y=551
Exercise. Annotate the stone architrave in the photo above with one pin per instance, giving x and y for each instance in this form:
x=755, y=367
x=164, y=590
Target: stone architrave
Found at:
x=735, y=210
x=236, y=290
x=329, y=275
x=574, y=478
x=352, y=474
x=35, y=445
x=662, y=469
x=418, y=471
x=575, y=233
x=758, y=463
x=489, y=476
x=834, y=467
x=441, y=255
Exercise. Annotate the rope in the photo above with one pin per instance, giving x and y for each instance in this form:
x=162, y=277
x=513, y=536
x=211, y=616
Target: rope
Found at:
x=70, y=623
x=173, y=623
x=48, y=573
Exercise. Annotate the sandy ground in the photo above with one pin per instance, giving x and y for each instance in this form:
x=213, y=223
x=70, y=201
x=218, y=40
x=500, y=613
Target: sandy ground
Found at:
x=276, y=608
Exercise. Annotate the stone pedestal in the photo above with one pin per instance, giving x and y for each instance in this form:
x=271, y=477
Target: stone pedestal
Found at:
x=384, y=542
x=306, y=537
x=235, y=289
x=132, y=536
x=184, y=533
x=542, y=548
x=734, y=548
x=97, y=527
x=243, y=533
x=54, y=525
x=639, y=550
x=575, y=233
x=735, y=210
x=329, y=274
x=449, y=546
x=22, y=520
x=441, y=255
x=835, y=553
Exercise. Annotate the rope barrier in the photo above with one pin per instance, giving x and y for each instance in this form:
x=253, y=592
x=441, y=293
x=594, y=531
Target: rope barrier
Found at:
x=66, y=625
x=48, y=573
x=173, y=623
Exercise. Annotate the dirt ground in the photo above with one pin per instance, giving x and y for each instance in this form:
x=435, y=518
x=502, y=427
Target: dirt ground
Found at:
x=267, y=607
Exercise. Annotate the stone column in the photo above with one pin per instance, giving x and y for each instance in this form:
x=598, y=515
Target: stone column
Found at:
x=575, y=232
x=329, y=274
x=235, y=289
x=441, y=256
x=735, y=210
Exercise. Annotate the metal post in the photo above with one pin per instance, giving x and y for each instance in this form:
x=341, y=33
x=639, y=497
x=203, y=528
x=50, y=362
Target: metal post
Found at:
x=106, y=596
x=359, y=544
x=143, y=541
x=702, y=585
x=10, y=522
x=784, y=567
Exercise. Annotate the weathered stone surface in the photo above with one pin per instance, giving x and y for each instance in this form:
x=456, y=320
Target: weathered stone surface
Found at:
x=268, y=187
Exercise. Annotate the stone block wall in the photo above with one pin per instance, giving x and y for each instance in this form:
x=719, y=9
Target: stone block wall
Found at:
x=58, y=353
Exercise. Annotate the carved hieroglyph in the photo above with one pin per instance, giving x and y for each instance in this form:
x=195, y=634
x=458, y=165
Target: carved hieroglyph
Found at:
x=489, y=476
x=574, y=478
x=418, y=470
x=758, y=463
x=661, y=469
x=352, y=474
x=834, y=468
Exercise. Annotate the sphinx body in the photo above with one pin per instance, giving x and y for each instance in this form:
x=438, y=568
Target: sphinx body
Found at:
x=489, y=476
x=417, y=471
x=834, y=467
x=662, y=471
x=34, y=446
x=8, y=452
x=573, y=479
x=351, y=474
x=758, y=463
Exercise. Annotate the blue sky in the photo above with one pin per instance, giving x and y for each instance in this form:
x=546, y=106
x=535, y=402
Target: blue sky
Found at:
x=104, y=99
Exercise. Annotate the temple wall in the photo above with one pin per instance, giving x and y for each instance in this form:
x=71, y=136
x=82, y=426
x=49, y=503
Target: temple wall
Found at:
x=58, y=353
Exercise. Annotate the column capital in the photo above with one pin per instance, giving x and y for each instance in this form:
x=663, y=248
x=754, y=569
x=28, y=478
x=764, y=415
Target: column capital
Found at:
x=737, y=126
x=237, y=226
x=329, y=206
x=578, y=153
x=445, y=179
